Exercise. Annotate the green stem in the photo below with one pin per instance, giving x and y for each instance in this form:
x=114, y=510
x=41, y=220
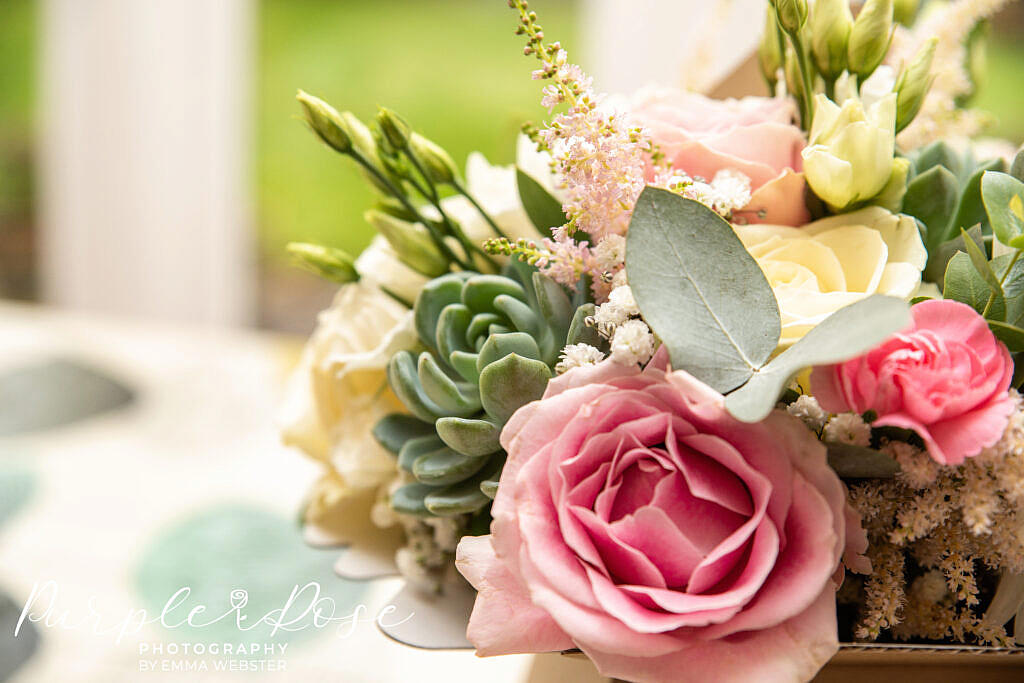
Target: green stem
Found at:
x=400, y=196
x=431, y=195
x=801, y=61
x=1002, y=280
x=472, y=200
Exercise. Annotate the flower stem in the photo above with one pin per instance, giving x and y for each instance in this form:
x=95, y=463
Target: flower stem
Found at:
x=472, y=200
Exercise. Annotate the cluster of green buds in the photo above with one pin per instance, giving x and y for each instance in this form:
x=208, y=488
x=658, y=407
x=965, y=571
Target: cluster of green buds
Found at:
x=492, y=342
x=814, y=47
x=410, y=172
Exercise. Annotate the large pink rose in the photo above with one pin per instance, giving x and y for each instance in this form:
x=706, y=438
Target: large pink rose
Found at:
x=945, y=377
x=636, y=520
x=754, y=135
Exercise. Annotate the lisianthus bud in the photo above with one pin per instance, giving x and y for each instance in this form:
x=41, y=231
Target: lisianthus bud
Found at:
x=769, y=55
x=394, y=127
x=325, y=122
x=411, y=241
x=869, y=37
x=327, y=262
x=913, y=84
x=904, y=11
x=849, y=158
x=437, y=163
x=830, y=33
x=792, y=14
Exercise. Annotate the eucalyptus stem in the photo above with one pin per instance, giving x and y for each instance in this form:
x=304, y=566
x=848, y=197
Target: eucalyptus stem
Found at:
x=1002, y=281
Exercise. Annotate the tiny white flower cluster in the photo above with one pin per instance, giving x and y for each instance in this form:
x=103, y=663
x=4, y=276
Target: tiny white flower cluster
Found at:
x=728, y=190
x=632, y=342
x=849, y=428
x=810, y=413
x=578, y=355
x=618, y=321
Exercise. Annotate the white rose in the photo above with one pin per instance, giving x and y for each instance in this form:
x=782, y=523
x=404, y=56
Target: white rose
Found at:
x=496, y=190
x=340, y=388
x=821, y=267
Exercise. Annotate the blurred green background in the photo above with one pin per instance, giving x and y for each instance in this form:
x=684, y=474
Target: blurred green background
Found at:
x=453, y=68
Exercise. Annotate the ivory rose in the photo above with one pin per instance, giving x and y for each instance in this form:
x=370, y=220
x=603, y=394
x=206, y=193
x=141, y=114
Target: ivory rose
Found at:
x=831, y=263
x=945, y=377
x=340, y=389
x=636, y=520
x=754, y=135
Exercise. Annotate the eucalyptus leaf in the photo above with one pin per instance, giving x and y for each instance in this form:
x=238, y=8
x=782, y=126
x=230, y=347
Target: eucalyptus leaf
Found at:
x=699, y=290
x=938, y=259
x=970, y=209
x=979, y=259
x=1011, y=335
x=1007, y=601
x=858, y=462
x=844, y=334
x=1017, y=167
x=543, y=210
x=931, y=198
x=963, y=283
x=1003, y=196
x=1013, y=287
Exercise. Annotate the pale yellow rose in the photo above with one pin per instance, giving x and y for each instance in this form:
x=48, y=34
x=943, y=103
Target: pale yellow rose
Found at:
x=850, y=155
x=821, y=267
x=340, y=388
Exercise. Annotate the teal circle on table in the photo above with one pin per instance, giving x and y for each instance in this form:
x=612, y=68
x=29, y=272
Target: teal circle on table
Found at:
x=16, y=488
x=225, y=551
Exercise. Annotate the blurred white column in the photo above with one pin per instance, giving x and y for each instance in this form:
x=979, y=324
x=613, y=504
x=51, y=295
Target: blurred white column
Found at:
x=695, y=44
x=144, y=132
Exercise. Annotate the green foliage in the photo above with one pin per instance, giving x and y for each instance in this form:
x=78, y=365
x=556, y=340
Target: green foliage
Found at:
x=944, y=194
x=858, y=462
x=544, y=211
x=492, y=341
x=1003, y=198
x=685, y=266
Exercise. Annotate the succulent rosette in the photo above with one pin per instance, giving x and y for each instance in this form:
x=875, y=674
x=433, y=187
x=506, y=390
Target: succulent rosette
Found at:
x=491, y=344
x=638, y=521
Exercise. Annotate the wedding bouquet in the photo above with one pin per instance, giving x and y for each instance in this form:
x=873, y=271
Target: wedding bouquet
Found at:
x=699, y=388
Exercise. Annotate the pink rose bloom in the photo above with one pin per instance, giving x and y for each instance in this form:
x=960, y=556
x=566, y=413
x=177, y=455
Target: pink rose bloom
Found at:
x=637, y=521
x=754, y=135
x=945, y=377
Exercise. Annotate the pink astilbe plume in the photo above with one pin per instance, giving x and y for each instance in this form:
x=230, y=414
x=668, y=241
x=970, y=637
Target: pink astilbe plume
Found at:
x=597, y=155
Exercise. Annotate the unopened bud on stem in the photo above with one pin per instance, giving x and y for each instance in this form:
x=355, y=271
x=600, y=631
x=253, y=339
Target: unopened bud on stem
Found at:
x=411, y=241
x=329, y=263
x=913, y=83
x=869, y=38
x=831, y=22
x=437, y=163
x=792, y=14
x=395, y=129
x=326, y=122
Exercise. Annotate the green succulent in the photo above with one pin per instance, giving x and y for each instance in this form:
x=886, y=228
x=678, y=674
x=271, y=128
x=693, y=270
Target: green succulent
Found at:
x=491, y=342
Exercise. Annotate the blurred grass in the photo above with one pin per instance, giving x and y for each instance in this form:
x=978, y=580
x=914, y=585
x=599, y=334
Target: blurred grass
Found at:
x=453, y=68
x=1002, y=93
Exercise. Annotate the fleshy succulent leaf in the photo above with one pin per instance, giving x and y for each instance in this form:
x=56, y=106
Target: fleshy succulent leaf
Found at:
x=510, y=383
x=446, y=466
x=394, y=430
x=500, y=345
x=469, y=436
x=460, y=399
x=404, y=381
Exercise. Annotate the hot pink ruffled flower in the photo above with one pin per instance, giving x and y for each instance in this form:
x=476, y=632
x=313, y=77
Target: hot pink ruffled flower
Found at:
x=945, y=377
x=636, y=520
x=754, y=135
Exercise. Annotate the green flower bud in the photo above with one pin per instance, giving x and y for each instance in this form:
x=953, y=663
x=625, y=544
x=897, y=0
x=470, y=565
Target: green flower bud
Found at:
x=913, y=83
x=769, y=54
x=869, y=38
x=831, y=22
x=437, y=163
x=411, y=241
x=904, y=11
x=329, y=263
x=395, y=129
x=326, y=122
x=792, y=14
